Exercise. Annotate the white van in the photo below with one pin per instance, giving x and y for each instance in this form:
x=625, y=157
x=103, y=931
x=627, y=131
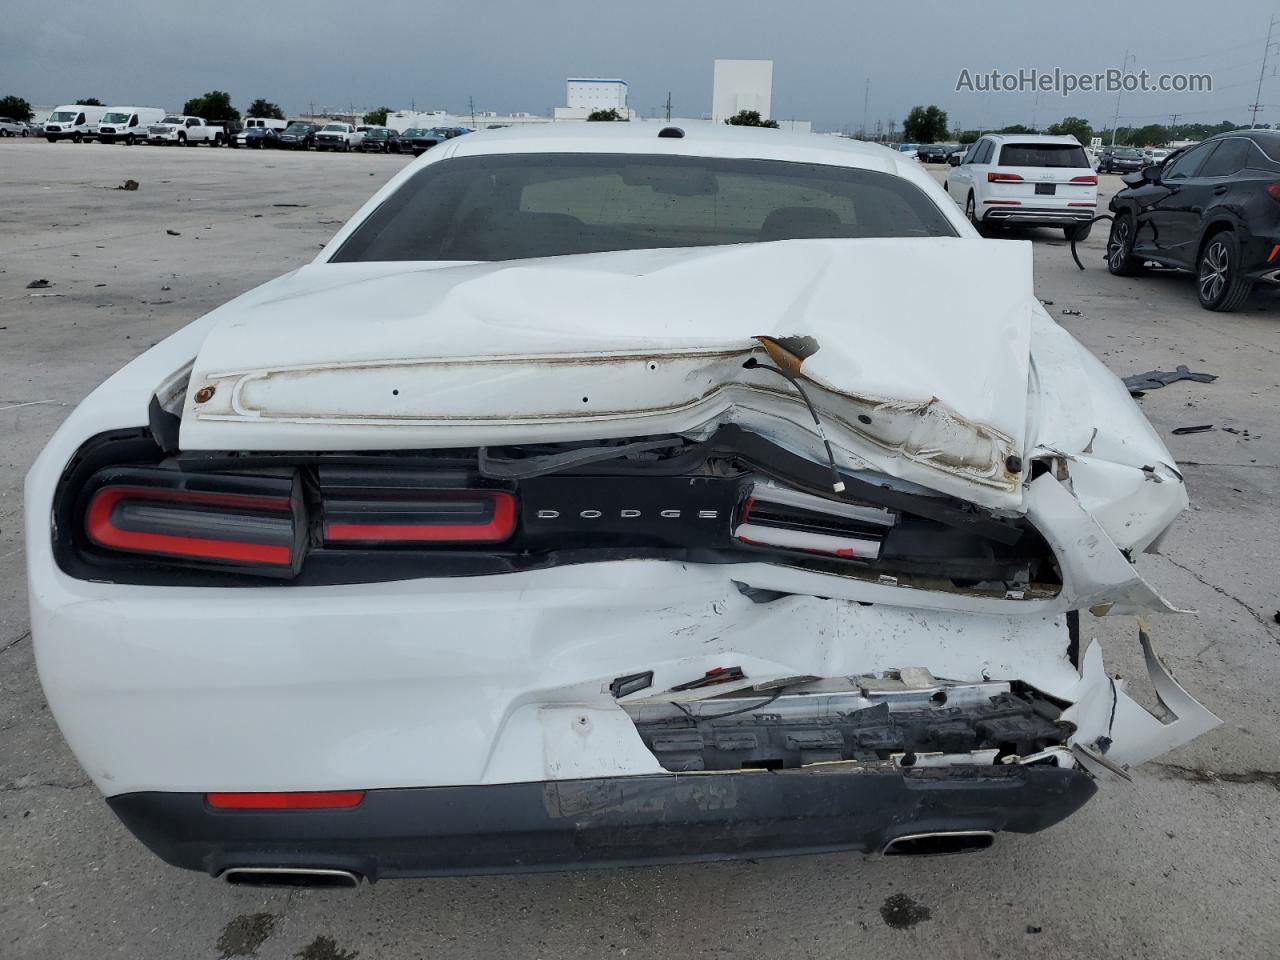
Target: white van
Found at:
x=75, y=121
x=127, y=124
x=270, y=123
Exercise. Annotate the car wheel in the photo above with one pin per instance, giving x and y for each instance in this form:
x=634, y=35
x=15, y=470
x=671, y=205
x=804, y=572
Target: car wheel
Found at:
x=971, y=214
x=1120, y=259
x=77, y=139
x=1079, y=232
x=1219, y=282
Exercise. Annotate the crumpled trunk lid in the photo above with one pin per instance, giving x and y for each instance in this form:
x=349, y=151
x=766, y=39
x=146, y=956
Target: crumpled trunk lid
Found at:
x=921, y=370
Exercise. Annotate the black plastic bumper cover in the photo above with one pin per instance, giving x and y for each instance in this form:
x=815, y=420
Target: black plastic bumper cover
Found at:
x=572, y=824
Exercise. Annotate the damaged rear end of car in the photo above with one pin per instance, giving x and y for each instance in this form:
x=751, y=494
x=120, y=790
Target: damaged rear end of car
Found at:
x=607, y=558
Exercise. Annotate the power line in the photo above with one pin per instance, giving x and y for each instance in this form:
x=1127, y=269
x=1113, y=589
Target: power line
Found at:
x=1266, y=52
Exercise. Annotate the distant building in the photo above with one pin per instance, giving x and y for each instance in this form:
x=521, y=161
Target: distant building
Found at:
x=584, y=95
x=741, y=85
x=401, y=120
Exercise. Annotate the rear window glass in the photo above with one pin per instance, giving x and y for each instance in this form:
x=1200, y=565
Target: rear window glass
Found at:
x=1270, y=146
x=515, y=206
x=1043, y=155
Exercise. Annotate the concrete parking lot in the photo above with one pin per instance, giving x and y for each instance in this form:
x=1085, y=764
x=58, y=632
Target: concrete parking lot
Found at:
x=1182, y=862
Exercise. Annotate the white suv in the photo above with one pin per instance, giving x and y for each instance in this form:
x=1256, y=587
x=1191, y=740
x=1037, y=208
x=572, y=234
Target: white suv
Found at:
x=1026, y=180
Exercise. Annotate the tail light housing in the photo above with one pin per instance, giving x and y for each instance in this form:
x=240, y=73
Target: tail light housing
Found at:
x=241, y=523
x=391, y=506
x=1090, y=180
x=1273, y=191
x=789, y=519
x=993, y=177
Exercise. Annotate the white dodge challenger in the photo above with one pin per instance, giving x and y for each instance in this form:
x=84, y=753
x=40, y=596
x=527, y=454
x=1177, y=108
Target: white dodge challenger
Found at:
x=603, y=494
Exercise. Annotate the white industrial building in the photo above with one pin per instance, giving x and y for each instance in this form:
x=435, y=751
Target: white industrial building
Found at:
x=583, y=95
x=739, y=85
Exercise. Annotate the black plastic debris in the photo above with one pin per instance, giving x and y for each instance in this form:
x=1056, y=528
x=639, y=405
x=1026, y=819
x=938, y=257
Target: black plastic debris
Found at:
x=128, y=185
x=1155, y=379
x=1181, y=431
x=173, y=233
x=39, y=284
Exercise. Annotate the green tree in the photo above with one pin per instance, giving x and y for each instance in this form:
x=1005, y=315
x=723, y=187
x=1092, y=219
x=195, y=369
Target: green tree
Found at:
x=378, y=117
x=214, y=105
x=15, y=107
x=1073, y=127
x=1152, y=135
x=264, y=108
x=967, y=136
x=90, y=102
x=610, y=114
x=751, y=118
x=925, y=125
x=1017, y=128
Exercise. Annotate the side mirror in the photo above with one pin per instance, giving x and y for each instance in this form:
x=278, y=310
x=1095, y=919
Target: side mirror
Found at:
x=1151, y=173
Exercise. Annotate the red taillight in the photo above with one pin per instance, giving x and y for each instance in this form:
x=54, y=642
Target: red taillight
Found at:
x=1274, y=251
x=1003, y=178
x=231, y=521
x=308, y=800
x=1273, y=191
x=445, y=516
x=1090, y=180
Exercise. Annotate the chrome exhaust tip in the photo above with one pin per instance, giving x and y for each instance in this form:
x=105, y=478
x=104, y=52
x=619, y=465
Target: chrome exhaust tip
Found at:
x=289, y=877
x=937, y=844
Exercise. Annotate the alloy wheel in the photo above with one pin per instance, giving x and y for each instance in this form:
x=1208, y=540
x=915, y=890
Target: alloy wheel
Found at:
x=1214, y=267
x=1118, y=245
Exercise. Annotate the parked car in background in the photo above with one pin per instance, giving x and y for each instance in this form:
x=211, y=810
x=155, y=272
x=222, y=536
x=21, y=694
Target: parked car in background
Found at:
x=416, y=140
x=127, y=125
x=935, y=152
x=1212, y=209
x=181, y=130
x=266, y=123
x=381, y=570
x=1028, y=180
x=257, y=137
x=75, y=121
x=338, y=136
x=1155, y=155
x=298, y=136
x=956, y=155
x=1121, y=160
x=10, y=127
x=421, y=140
x=380, y=140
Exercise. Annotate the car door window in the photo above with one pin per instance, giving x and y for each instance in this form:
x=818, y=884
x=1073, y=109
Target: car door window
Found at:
x=1188, y=165
x=1232, y=154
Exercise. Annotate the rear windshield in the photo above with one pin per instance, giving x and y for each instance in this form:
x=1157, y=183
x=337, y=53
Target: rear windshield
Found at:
x=514, y=206
x=1270, y=146
x=1043, y=155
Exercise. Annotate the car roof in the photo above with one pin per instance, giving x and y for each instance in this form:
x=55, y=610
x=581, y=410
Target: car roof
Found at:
x=700, y=139
x=1033, y=138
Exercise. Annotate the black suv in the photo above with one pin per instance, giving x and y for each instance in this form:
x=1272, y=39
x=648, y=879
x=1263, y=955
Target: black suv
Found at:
x=1121, y=160
x=299, y=136
x=1213, y=209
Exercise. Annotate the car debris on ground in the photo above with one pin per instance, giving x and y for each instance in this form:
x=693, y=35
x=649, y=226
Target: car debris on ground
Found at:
x=1155, y=379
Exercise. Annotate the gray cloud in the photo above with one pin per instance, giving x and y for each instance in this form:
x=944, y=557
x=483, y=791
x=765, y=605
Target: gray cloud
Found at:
x=515, y=56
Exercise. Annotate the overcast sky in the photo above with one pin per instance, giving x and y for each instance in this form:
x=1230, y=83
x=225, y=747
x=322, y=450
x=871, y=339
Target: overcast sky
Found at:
x=510, y=55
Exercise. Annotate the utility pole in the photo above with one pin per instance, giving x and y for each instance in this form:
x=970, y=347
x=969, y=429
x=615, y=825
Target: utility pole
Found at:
x=1173, y=126
x=1123, y=66
x=668, y=106
x=471, y=102
x=866, y=98
x=1266, y=52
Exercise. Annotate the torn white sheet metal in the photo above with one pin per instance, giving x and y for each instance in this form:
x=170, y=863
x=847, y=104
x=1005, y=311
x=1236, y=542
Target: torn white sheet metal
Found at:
x=642, y=342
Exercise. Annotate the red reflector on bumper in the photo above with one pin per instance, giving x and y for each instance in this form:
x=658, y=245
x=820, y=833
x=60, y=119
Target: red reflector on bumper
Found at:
x=309, y=800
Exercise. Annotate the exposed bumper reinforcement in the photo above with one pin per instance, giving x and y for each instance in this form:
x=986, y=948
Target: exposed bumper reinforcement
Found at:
x=574, y=824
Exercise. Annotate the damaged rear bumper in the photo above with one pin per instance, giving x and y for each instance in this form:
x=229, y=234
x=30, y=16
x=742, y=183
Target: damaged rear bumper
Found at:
x=610, y=821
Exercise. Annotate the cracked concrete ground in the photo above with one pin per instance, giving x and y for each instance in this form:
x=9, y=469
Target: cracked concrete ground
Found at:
x=1183, y=862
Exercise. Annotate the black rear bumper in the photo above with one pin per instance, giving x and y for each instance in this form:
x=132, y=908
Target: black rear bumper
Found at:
x=568, y=825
